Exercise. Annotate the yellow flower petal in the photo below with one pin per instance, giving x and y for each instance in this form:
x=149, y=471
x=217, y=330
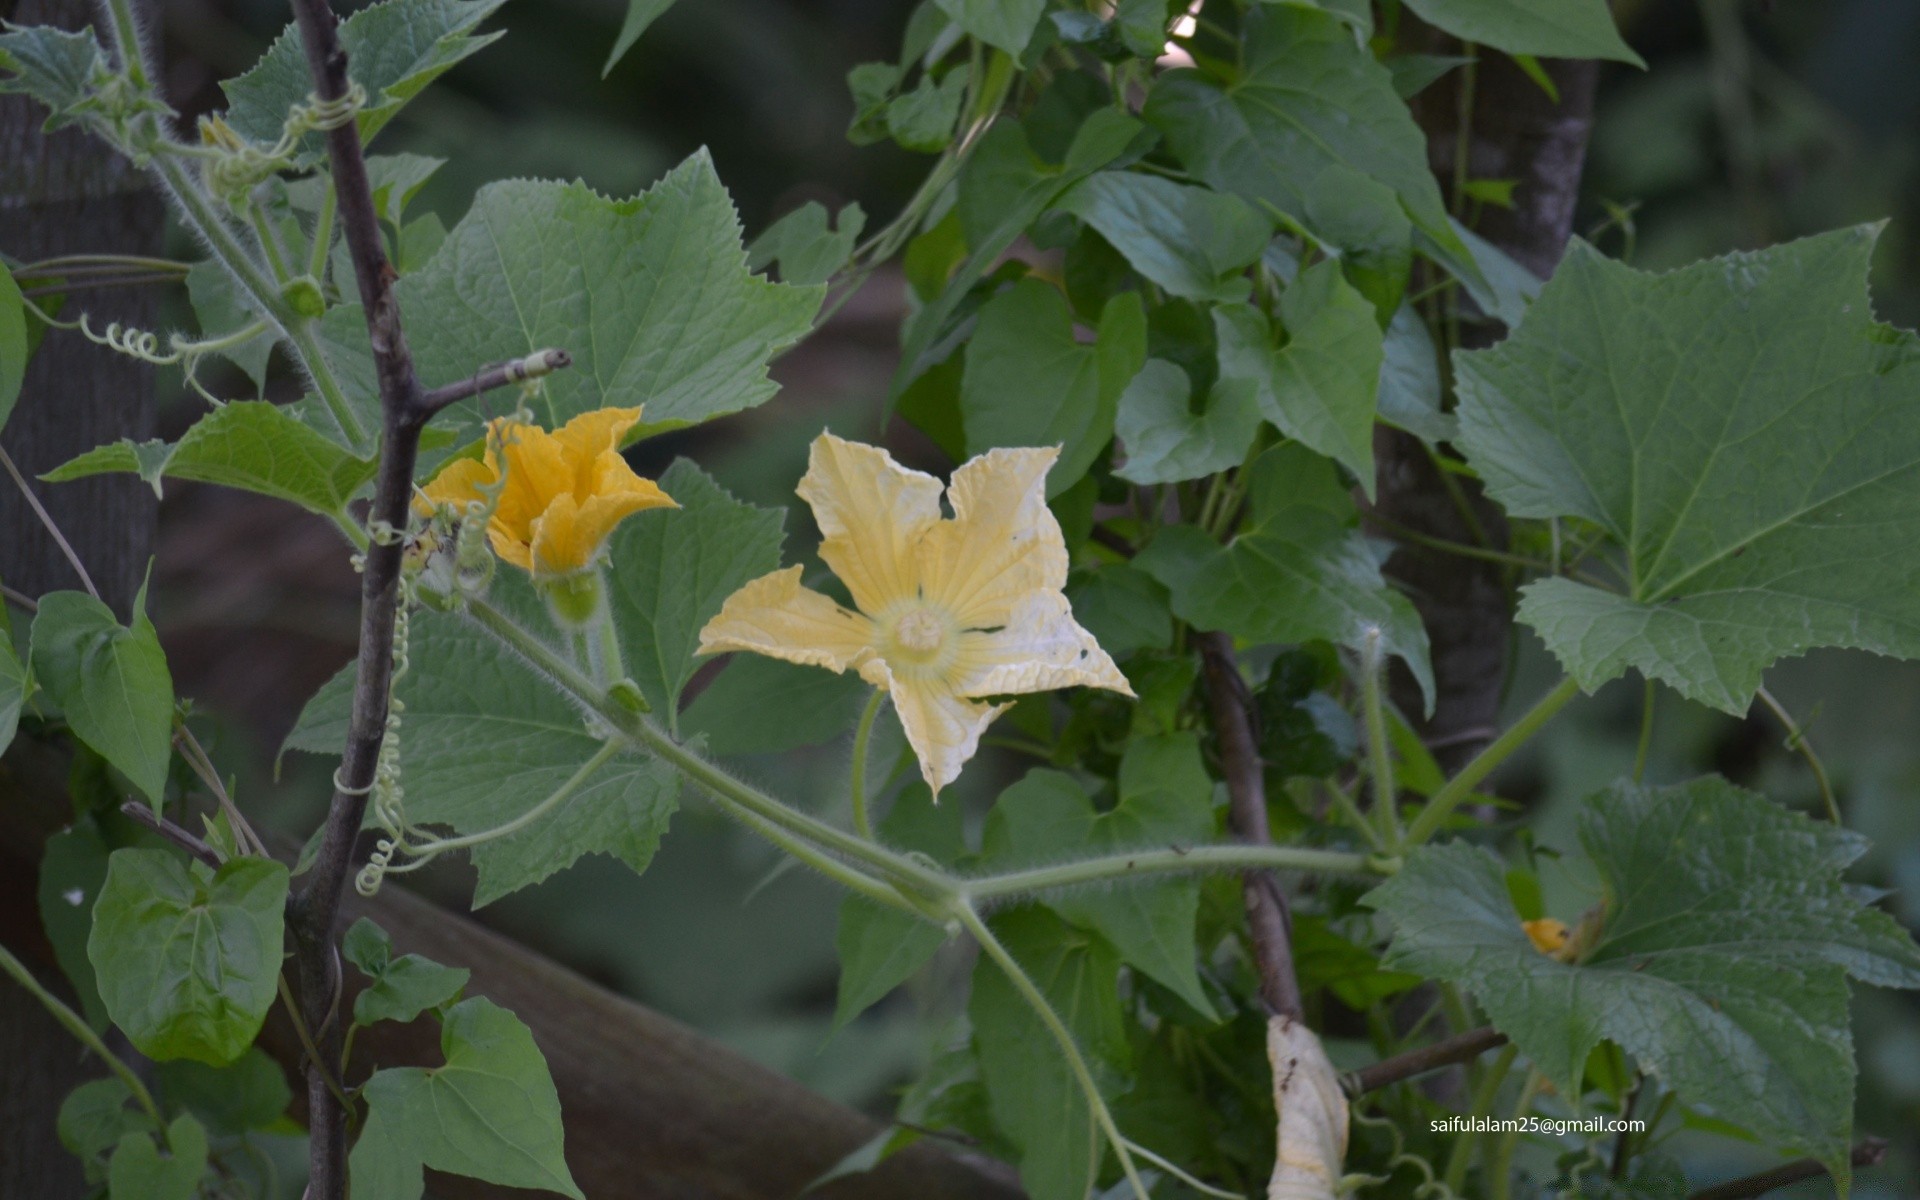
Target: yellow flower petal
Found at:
x=1003, y=541
x=458, y=484
x=536, y=470
x=872, y=512
x=586, y=436
x=774, y=615
x=1547, y=935
x=943, y=729
x=1040, y=648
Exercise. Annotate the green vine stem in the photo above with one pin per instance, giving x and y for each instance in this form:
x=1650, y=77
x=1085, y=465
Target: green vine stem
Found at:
x=1454, y=793
x=434, y=846
x=1646, y=733
x=862, y=734
x=1483, y=1098
x=1500, y=1170
x=1109, y=868
x=77, y=1025
x=1030, y=992
x=1373, y=669
x=1797, y=740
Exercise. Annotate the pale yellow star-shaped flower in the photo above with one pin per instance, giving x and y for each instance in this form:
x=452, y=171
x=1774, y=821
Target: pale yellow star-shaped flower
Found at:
x=565, y=491
x=950, y=610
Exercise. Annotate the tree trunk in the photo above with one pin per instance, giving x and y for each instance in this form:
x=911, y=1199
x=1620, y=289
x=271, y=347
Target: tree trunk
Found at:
x=60, y=194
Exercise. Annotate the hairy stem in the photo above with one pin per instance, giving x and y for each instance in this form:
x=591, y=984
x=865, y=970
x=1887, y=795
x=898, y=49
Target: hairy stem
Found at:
x=1386, y=797
x=1457, y=789
x=862, y=734
x=77, y=1025
x=1163, y=860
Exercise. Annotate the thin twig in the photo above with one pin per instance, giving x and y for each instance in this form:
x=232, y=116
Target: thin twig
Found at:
x=540, y=362
x=314, y=910
x=1461, y=1047
x=173, y=833
x=1797, y=740
x=1868, y=1153
x=1268, y=922
x=59, y=539
x=20, y=598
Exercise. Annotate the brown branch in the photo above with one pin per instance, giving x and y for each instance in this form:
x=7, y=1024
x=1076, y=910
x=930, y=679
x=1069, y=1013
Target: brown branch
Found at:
x=1868, y=1153
x=1461, y=1047
x=173, y=833
x=313, y=911
x=540, y=362
x=1268, y=922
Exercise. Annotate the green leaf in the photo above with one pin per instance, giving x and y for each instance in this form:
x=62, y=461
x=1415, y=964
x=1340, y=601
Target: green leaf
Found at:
x=872, y=86
x=674, y=568
x=1727, y=935
x=1003, y=189
x=137, y=1167
x=486, y=739
x=252, y=445
x=218, y=309
x=1504, y=289
x=402, y=987
x=1744, y=429
x=881, y=948
x=394, y=50
x=1166, y=798
x=53, y=66
x=72, y=869
x=923, y=119
x=1267, y=136
x=110, y=681
x=651, y=296
x=1300, y=570
x=1124, y=608
x=1192, y=241
x=807, y=251
x=1167, y=442
x=640, y=15
x=1320, y=387
x=760, y=705
x=250, y=1093
x=1415, y=73
x=1035, y=1099
x=13, y=691
x=1410, y=379
x=13, y=346
x=1006, y=24
x=1549, y=28
x=1029, y=382
x=490, y=1113
x=187, y=956
x=96, y=1115
x=1361, y=223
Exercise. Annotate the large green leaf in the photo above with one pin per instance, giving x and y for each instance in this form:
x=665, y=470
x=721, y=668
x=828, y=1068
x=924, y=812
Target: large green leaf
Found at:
x=1166, y=799
x=1320, y=387
x=188, y=957
x=807, y=251
x=1547, y=28
x=72, y=870
x=761, y=705
x=1726, y=940
x=51, y=65
x=1307, y=97
x=1192, y=241
x=249, y=1093
x=1744, y=429
x=484, y=738
x=1036, y=1100
x=13, y=344
x=651, y=296
x=248, y=444
x=489, y=1113
x=674, y=568
x=880, y=948
x=394, y=50
x=138, y=1168
x=13, y=692
x=219, y=310
x=1298, y=571
x=110, y=681
x=1007, y=24
x=1167, y=442
x=1003, y=189
x=1029, y=382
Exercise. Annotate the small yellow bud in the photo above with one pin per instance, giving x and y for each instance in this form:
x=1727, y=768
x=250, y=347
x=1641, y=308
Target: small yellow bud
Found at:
x=1547, y=935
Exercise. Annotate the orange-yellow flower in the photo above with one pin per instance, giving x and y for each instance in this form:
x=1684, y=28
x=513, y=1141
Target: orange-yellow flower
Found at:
x=565, y=491
x=1547, y=935
x=950, y=609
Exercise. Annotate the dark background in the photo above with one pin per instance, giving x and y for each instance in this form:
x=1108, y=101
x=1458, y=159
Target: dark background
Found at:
x=1757, y=122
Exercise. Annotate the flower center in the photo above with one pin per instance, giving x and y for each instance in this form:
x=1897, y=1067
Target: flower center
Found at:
x=920, y=631
x=920, y=639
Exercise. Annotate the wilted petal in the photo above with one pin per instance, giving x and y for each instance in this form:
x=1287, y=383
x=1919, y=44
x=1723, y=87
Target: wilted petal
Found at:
x=943, y=729
x=872, y=512
x=1003, y=541
x=774, y=615
x=1311, y=1138
x=1040, y=648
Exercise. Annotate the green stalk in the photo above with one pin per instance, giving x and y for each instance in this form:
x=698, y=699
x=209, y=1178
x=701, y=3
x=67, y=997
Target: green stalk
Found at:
x=1379, y=751
x=1483, y=1098
x=861, y=735
x=323, y=231
x=1031, y=993
x=77, y=1025
x=126, y=40
x=560, y=796
x=1457, y=789
x=1646, y=734
x=1109, y=868
x=1500, y=1170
